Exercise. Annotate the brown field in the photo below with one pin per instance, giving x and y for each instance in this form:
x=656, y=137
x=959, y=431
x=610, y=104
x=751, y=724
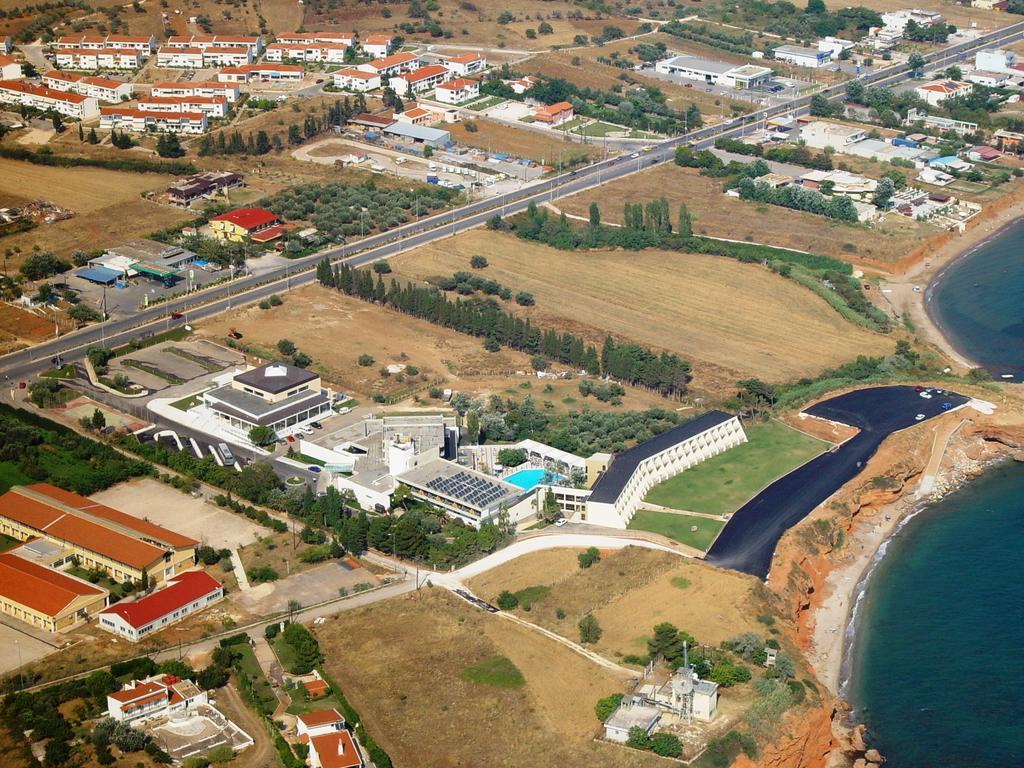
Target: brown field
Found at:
x=107, y=206
x=355, y=327
x=378, y=656
x=954, y=13
x=731, y=319
x=629, y=591
x=720, y=216
x=521, y=142
x=16, y=323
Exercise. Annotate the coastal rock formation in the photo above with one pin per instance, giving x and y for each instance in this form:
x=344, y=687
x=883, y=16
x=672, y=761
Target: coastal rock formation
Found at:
x=806, y=742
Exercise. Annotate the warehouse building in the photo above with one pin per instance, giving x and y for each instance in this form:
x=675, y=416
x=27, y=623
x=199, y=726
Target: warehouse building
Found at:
x=812, y=58
x=715, y=72
x=419, y=134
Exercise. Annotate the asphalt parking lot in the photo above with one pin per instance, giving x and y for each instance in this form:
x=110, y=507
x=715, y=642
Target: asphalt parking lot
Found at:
x=747, y=542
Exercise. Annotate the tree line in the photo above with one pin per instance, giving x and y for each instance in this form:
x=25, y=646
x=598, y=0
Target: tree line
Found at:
x=484, y=318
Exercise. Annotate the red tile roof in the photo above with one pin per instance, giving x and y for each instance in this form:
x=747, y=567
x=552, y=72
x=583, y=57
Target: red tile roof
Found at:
x=39, y=588
x=336, y=750
x=184, y=589
x=35, y=90
x=266, y=235
x=378, y=40
x=457, y=84
x=466, y=58
x=321, y=716
x=392, y=60
x=424, y=73
x=248, y=218
x=357, y=74
x=315, y=688
x=138, y=691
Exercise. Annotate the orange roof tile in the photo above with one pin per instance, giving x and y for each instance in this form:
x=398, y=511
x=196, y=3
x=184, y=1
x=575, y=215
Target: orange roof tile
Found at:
x=336, y=750
x=39, y=588
x=321, y=716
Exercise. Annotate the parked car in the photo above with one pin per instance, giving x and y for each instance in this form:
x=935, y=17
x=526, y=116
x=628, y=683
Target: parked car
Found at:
x=560, y=522
x=919, y=417
x=925, y=395
x=290, y=438
x=176, y=315
x=316, y=425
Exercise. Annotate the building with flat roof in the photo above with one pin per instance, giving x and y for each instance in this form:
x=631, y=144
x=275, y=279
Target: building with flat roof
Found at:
x=45, y=598
x=620, y=489
x=184, y=595
x=119, y=544
x=812, y=58
x=714, y=72
x=276, y=395
x=819, y=134
x=419, y=134
x=204, y=185
x=632, y=713
x=473, y=497
x=996, y=60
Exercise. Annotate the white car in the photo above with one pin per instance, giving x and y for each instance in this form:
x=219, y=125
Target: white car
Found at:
x=919, y=417
x=635, y=155
x=560, y=522
x=926, y=395
x=306, y=430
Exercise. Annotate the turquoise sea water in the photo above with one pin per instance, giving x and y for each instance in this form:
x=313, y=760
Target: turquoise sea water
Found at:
x=979, y=303
x=938, y=655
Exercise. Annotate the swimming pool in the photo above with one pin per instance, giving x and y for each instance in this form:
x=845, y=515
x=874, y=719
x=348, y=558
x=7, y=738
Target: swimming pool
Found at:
x=527, y=479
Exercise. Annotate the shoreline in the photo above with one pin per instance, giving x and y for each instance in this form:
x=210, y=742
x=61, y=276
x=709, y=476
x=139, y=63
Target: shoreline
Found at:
x=899, y=293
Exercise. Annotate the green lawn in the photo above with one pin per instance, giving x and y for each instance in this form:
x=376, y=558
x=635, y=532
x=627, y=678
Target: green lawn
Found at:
x=311, y=460
x=187, y=402
x=300, y=704
x=722, y=484
x=497, y=671
x=67, y=372
x=285, y=653
x=485, y=103
x=677, y=527
x=260, y=685
x=10, y=475
x=531, y=595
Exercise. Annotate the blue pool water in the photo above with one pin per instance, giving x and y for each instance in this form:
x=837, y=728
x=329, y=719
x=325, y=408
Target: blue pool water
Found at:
x=528, y=479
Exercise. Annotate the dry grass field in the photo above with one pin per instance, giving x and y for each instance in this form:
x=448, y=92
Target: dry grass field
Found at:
x=720, y=216
x=731, y=319
x=19, y=325
x=347, y=328
x=629, y=591
x=107, y=205
x=379, y=656
x=521, y=142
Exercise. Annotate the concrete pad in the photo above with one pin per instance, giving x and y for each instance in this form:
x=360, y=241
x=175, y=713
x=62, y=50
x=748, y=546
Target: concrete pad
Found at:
x=308, y=587
x=202, y=520
x=14, y=641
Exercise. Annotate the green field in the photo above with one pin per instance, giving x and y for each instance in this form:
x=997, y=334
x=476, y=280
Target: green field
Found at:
x=722, y=484
x=498, y=671
x=250, y=668
x=11, y=475
x=677, y=527
x=285, y=653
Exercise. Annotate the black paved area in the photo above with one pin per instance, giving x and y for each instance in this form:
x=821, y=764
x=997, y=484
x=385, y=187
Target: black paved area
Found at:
x=748, y=540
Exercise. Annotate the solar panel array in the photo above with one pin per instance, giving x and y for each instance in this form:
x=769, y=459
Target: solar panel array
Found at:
x=469, y=488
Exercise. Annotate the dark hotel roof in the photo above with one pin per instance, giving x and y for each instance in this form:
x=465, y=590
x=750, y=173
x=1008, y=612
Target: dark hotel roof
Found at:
x=275, y=377
x=610, y=484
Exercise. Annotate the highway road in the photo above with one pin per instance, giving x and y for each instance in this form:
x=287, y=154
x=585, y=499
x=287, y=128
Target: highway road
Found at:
x=22, y=364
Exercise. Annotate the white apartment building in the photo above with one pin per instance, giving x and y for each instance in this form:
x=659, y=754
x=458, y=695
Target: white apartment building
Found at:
x=714, y=72
x=262, y=73
x=179, y=58
x=356, y=80
x=229, y=91
x=9, y=68
x=820, y=134
x=153, y=697
x=212, y=106
x=457, y=91
x=102, y=58
x=144, y=44
x=344, y=38
x=389, y=66
x=228, y=56
x=143, y=120
x=330, y=53
x=897, y=20
x=422, y=79
x=620, y=489
x=812, y=58
x=377, y=46
x=465, y=64
x=100, y=88
x=68, y=104
x=254, y=44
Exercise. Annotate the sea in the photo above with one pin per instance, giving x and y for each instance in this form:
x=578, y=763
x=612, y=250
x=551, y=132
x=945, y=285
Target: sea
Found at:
x=937, y=658
x=978, y=302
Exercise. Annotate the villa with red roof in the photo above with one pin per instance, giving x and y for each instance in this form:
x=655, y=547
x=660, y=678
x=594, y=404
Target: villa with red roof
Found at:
x=465, y=64
x=256, y=224
x=186, y=594
x=457, y=91
x=938, y=91
x=153, y=697
x=377, y=46
x=555, y=114
x=422, y=79
x=330, y=744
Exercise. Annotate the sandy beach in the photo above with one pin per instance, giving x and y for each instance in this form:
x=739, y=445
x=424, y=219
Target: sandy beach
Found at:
x=899, y=291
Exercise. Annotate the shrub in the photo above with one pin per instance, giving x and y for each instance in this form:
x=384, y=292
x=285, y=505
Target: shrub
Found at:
x=590, y=630
x=524, y=299
x=606, y=706
x=478, y=262
x=666, y=745
x=727, y=674
x=381, y=267
x=365, y=361
x=588, y=558
x=507, y=601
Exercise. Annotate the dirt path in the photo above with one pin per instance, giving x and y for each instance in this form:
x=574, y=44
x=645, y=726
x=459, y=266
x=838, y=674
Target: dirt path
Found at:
x=261, y=754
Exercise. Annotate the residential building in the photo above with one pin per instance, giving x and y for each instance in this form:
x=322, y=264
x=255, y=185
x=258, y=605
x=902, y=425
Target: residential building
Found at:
x=330, y=53
x=145, y=120
x=421, y=79
x=46, y=99
x=631, y=713
x=715, y=72
x=334, y=750
x=318, y=722
x=522, y=85
x=983, y=154
x=799, y=56
x=121, y=545
x=202, y=42
x=937, y=91
x=229, y=91
x=211, y=106
x=414, y=116
x=203, y=186
x=179, y=58
x=554, y=114
x=227, y=56
x=988, y=79
x=388, y=66
x=996, y=60
x=835, y=45
x=344, y=38
x=256, y=224
x=819, y=134
x=457, y=91
x=253, y=42
x=422, y=135
x=377, y=46
x=1008, y=141
x=156, y=696
x=43, y=597
x=276, y=395
x=465, y=64
x=264, y=72
x=841, y=182
x=144, y=44
x=100, y=58
x=185, y=594
x=897, y=20
x=6, y=46
x=9, y=68
x=620, y=489
x=468, y=495
x=99, y=88
x=352, y=79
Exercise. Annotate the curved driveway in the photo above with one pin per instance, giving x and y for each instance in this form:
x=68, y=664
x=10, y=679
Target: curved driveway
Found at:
x=748, y=540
